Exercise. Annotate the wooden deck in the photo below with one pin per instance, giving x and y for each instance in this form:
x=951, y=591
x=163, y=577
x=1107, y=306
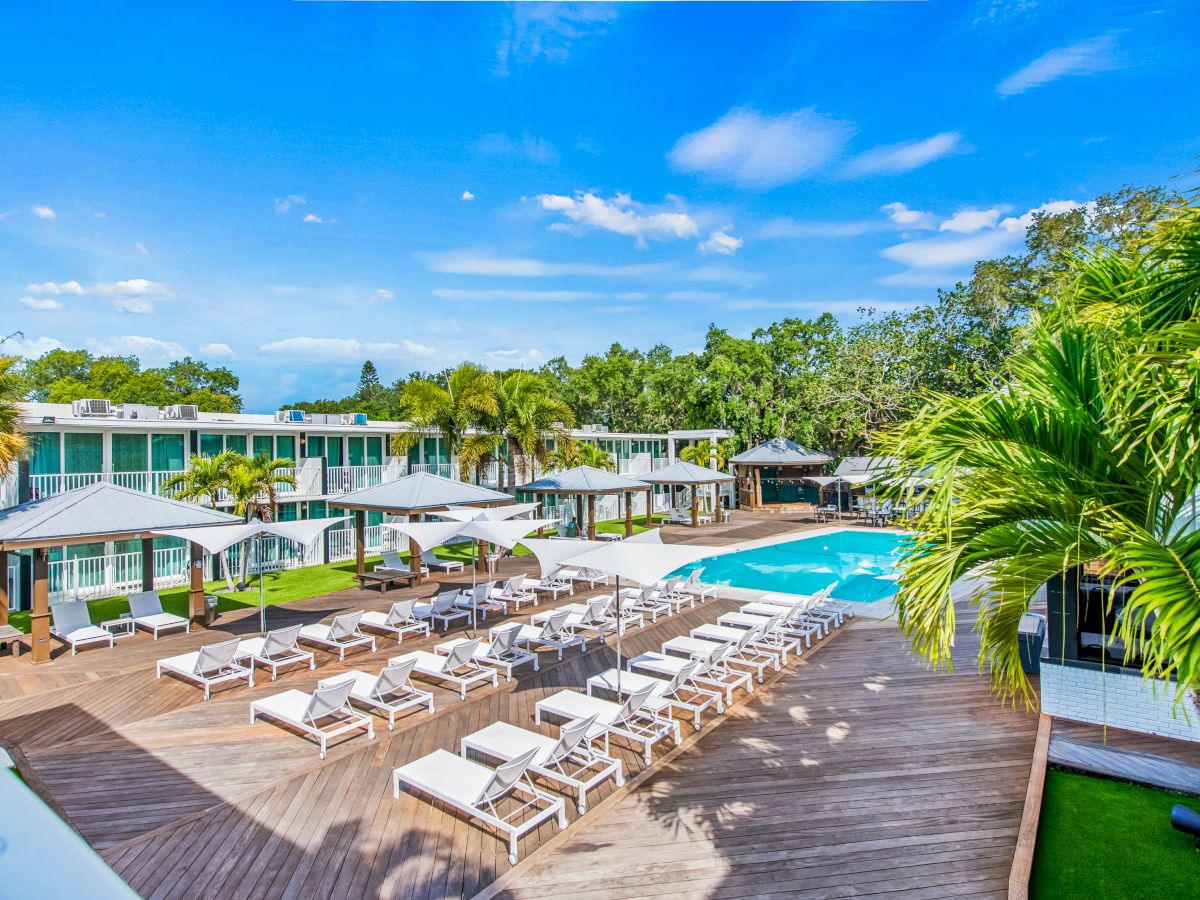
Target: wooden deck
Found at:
x=856, y=771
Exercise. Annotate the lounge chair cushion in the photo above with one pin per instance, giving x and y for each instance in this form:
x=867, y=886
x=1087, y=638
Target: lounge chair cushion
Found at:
x=450, y=776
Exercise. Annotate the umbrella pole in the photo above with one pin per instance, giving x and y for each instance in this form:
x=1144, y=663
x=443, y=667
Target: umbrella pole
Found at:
x=474, y=576
x=262, y=605
x=619, y=630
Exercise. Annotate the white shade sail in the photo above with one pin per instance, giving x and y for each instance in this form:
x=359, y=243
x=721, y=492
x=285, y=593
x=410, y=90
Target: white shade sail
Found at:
x=551, y=553
x=649, y=536
x=506, y=534
x=641, y=562
x=487, y=514
x=215, y=538
x=426, y=534
x=302, y=531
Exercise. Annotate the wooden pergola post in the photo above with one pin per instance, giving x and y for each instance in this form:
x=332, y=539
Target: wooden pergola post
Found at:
x=757, y=487
x=414, y=561
x=360, y=541
x=196, y=609
x=650, y=507
x=3, y=587
x=39, y=620
x=541, y=499
x=579, y=522
x=591, y=520
x=695, y=507
x=481, y=552
x=147, y=564
x=629, y=513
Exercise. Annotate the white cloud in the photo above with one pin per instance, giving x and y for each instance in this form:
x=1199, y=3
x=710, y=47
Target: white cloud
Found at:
x=313, y=218
x=144, y=348
x=549, y=31
x=133, y=287
x=43, y=212
x=1082, y=58
x=467, y=195
x=907, y=218
x=620, y=215
x=31, y=348
x=723, y=274
x=282, y=206
x=838, y=307
x=793, y=228
x=696, y=296
x=217, y=350
x=341, y=349
x=469, y=262
x=56, y=287
x=527, y=146
x=895, y=159
x=384, y=294
x=755, y=150
x=42, y=304
x=141, y=248
x=137, y=305
x=513, y=356
x=970, y=219
x=722, y=242
x=515, y=296
x=916, y=278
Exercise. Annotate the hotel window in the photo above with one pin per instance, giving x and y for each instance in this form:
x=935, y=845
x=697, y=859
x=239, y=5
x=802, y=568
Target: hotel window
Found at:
x=83, y=452
x=333, y=450
x=262, y=446
x=47, y=452
x=211, y=445
x=285, y=447
x=354, y=451
x=374, y=451
x=236, y=443
x=287, y=512
x=314, y=446
x=166, y=452
x=374, y=518
x=129, y=453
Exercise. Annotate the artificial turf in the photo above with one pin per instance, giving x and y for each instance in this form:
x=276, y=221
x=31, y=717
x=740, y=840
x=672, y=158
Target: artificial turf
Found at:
x=1108, y=840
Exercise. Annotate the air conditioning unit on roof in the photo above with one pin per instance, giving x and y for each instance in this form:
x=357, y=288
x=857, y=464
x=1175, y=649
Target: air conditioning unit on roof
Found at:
x=354, y=418
x=188, y=411
x=293, y=416
x=90, y=408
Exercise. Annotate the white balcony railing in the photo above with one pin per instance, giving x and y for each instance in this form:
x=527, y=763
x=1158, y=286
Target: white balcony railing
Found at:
x=445, y=470
x=93, y=577
x=42, y=486
x=345, y=479
x=376, y=539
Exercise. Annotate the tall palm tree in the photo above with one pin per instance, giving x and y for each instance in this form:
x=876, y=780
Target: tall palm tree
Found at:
x=253, y=487
x=700, y=453
x=467, y=401
x=1087, y=455
x=569, y=453
x=12, y=441
x=529, y=416
x=203, y=481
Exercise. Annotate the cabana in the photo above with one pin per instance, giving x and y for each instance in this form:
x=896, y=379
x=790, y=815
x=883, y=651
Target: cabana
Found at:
x=588, y=481
x=691, y=475
x=98, y=512
x=773, y=475
x=412, y=495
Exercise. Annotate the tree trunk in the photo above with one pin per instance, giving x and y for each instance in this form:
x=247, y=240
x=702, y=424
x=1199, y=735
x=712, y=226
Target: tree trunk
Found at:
x=512, y=465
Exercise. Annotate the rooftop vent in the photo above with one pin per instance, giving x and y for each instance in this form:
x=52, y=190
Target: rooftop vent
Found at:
x=91, y=408
x=293, y=416
x=354, y=418
x=593, y=428
x=136, y=411
x=188, y=411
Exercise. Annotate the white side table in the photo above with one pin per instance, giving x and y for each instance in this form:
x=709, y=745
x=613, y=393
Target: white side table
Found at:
x=120, y=628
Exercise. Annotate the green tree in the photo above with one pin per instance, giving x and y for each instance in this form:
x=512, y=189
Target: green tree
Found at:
x=529, y=416
x=1086, y=454
x=701, y=453
x=467, y=401
x=569, y=453
x=204, y=481
x=12, y=441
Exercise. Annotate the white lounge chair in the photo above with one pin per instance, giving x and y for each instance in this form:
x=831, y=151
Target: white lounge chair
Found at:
x=646, y=600
x=694, y=586
x=326, y=713
x=341, y=634
x=668, y=593
x=795, y=621
x=391, y=560
x=514, y=592
x=278, y=647
x=458, y=666
x=479, y=598
x=771, y=638
x=391, y=691
x=208, y=666
x=568, y=760
x=431, y=560
x=714, y=670
x=147, y=611
x=742, y=651
x=554, y=585
x=590, y=616
x=630, y=719
x=678, y=516
x=442, y=608
x=72, y=624
x=478, y=791
x=502, y=651
x=678, y=691
x=399, y=620
x=591, y=576
x=554, y=632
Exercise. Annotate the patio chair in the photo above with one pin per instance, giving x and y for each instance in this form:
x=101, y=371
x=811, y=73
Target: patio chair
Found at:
x=478, y=598
x=554, y=632
x=341, y=634
x=210, y=665
x=389, y=692
x=590, y=616
x=678, y=516
x=278, y=647
x=678, y=691
x=516, y=590
x=577, y=573
x=393, y=561
x=147, y=611
x=692, y=585
x=553, y=585
x=430, y=560
x=502, y=651
x=458, y=666
x=442, y=608
x=796, y=621
x=771, y=638
x=568, y=760
x=714, y=670
x=325, y=713
x=668, y=593
x=630, y=719
x=71, y=623
x=742, y=651
x=646, y=600
x=478, y=791
x=399, y=620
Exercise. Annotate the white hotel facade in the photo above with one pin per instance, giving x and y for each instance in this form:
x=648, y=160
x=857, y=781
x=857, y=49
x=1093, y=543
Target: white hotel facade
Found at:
x=139, y=447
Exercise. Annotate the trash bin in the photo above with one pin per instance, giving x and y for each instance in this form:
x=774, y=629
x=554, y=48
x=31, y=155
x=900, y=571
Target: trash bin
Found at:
x=210, y=608
x=1031, y=632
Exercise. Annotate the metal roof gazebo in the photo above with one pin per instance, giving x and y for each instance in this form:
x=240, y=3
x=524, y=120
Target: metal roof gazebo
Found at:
x=779, y=463
x=588, y=481
x=421, y=492
x=98, y=512
x=691, y=475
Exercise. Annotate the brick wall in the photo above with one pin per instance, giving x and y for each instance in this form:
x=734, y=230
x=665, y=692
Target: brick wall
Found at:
x=1118, y=700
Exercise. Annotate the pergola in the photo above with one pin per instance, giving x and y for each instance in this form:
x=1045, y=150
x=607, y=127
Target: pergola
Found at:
x=691, y=475
x=97, y=512
x=588, y=481
x=779, y=463
x=412, y=495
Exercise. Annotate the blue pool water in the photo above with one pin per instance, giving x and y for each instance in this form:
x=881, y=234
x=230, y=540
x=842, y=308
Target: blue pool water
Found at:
x=863, y=563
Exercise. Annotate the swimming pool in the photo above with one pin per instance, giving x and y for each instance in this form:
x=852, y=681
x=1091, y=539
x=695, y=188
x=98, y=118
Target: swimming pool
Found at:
x=863, y=563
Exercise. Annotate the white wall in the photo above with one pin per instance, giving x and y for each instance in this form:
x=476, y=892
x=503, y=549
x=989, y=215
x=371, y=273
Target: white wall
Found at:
x=1117, y=699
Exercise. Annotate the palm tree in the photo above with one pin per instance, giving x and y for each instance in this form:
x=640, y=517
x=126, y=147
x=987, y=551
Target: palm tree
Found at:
x=569, y=453
x=529, y=416
x=203, y=482
x=253, y=484
x=467, y=401
x=1087, y=455
x=12, y=441
x=700, y=453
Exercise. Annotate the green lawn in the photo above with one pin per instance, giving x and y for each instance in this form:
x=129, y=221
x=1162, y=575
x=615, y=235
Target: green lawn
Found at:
x=279, y=587
x=1101, y=839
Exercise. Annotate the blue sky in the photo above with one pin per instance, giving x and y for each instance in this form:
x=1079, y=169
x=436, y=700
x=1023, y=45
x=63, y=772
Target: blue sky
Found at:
x=288, y=188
